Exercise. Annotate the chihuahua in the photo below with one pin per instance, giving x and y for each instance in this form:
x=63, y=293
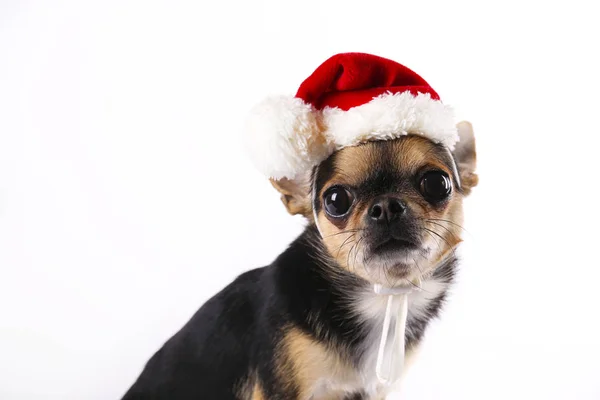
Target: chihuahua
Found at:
x=385, y=213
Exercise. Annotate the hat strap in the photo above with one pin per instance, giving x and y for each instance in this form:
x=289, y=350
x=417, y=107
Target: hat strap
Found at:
x=390, y=356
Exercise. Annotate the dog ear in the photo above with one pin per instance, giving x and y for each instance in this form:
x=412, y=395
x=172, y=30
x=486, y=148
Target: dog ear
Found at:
x=295, y=194
x=466, y=156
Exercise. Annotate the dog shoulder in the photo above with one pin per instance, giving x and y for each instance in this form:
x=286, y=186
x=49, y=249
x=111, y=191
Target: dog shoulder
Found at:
x=207, y=357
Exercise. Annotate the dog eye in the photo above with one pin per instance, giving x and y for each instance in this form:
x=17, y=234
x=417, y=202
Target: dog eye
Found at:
x=436, y=186
x=337, y=200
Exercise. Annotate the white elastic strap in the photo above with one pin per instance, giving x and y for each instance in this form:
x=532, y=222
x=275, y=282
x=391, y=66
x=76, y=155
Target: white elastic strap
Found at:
x=390, y=357
x=313, y=196
x=317, y=222
x=380, y=289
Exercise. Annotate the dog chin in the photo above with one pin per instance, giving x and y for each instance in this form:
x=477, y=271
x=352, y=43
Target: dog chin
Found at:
x=390, y=268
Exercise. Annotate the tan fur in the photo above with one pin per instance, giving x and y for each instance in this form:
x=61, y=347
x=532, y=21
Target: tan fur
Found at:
x=304, y=362
x=295, y=195
x=248, y=388
x=257, y=393
x=466, y=156
x=343, y=244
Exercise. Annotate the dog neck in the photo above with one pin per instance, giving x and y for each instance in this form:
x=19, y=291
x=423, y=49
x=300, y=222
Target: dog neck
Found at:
x=349, y=314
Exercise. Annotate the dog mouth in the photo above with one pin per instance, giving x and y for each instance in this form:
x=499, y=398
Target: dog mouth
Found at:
x=395, y=256
x=393, y=245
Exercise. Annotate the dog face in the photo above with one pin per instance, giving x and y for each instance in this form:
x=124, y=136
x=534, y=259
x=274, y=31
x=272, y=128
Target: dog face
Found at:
x=388, y=210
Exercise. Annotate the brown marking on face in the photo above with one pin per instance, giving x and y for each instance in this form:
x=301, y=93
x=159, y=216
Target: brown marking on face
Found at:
x=414, y=152
x=389, y=168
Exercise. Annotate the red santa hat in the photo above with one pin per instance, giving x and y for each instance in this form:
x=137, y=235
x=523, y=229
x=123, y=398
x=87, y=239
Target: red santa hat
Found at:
x=350, y=99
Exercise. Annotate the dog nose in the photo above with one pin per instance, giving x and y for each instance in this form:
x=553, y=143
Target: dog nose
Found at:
x=386, y=208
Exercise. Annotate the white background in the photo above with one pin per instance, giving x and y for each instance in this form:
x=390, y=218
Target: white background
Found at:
x=126, y=199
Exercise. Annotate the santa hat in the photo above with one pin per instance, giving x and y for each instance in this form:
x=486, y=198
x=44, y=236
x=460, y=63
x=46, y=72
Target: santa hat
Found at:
x=350, y=99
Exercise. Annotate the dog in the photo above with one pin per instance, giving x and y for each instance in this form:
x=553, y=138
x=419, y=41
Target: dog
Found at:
x=387, y=213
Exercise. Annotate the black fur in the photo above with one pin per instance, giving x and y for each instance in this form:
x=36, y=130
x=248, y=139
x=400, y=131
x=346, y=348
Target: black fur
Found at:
x=235, y=334
x=355, y=396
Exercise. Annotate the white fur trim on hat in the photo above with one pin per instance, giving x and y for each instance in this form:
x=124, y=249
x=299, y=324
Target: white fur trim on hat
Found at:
x=287, y=137
x=390, y=116
x=284, y=137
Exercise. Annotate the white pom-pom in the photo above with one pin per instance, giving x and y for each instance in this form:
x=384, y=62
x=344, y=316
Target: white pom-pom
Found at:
x=284, y=138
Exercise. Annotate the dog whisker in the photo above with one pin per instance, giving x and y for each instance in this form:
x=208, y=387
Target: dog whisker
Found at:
x=343, y=232
x=449, y=222
x=443, y=238
x=349, y=238
x=445, y=228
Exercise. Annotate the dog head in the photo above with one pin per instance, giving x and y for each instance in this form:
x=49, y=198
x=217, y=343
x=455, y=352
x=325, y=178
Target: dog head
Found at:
x=388, y=210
